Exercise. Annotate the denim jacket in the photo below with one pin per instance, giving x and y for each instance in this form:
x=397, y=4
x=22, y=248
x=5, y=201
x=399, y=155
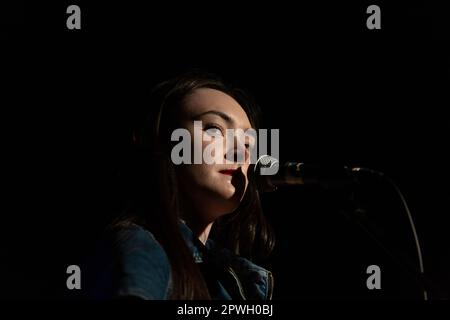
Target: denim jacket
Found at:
x=137, y=266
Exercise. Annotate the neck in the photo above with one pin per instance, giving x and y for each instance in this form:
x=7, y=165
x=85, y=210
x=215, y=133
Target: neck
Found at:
x=193, y=218
x=203, y=235
x=201, y=230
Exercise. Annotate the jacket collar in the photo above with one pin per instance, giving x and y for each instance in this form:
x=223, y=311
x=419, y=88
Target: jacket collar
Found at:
x=257, y=281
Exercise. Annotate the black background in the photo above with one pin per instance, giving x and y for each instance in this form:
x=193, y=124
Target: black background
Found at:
x=338, y=92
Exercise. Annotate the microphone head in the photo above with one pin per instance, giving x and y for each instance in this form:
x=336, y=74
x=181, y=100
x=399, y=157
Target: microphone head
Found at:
x=265, y=167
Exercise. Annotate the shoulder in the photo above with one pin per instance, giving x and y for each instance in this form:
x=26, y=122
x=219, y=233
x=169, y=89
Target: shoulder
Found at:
x=134, y=239
x=136, y=264
x=145, y=266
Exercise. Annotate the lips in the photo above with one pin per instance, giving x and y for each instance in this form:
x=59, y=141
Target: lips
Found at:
x=228, y=172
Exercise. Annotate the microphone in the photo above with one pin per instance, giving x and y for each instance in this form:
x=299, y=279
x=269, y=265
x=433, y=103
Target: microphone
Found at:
x=270, y=174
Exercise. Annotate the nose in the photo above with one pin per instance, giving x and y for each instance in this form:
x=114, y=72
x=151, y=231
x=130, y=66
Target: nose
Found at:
x=237, y=152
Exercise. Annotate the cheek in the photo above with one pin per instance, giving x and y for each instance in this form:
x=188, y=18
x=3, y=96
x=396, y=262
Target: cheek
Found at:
x=213, y=151
x=198, y=173
x=198, y=178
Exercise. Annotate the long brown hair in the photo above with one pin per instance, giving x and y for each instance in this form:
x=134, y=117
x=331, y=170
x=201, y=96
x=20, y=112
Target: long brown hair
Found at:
x=156, y=206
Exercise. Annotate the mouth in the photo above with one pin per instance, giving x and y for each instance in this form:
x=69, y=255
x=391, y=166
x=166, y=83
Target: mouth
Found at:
x=228, y=172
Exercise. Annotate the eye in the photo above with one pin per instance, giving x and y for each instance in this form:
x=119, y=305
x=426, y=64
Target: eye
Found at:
x=213, y=130
x=250, y=143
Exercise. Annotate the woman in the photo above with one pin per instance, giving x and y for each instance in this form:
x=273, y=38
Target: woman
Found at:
x=163, y=245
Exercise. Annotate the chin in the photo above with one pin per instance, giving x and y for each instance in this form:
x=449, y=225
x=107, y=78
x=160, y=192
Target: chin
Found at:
x=232, y=203
x=225, y=204
x=222, y=198
x=226, y=209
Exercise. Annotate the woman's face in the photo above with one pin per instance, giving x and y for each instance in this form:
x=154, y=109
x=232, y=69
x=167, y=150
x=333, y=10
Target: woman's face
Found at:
x=212, y=190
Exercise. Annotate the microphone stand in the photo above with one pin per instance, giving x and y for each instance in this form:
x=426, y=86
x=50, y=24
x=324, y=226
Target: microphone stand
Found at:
x=416, y=273
x=350, y=177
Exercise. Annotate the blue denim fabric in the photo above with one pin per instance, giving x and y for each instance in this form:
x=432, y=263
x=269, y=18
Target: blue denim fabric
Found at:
x=137, y=266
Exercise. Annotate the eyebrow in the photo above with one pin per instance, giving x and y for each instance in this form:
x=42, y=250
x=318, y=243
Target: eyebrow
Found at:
x=224, y=116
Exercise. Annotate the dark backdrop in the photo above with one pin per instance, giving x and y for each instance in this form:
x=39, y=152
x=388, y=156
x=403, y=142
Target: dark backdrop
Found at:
x=338, y=92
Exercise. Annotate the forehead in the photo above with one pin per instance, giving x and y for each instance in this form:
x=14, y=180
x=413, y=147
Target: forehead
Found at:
x=206, y=99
